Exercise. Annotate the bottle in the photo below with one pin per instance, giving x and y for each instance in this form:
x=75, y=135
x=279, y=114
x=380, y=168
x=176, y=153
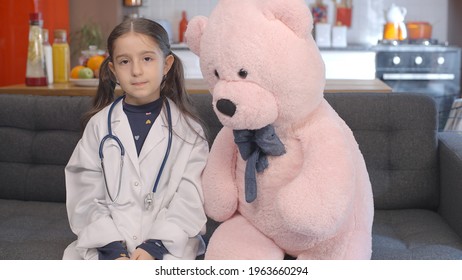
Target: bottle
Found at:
x=61, y=57
x=35, y=71
x=48, y=57
x=183, y=25
x=133, y=3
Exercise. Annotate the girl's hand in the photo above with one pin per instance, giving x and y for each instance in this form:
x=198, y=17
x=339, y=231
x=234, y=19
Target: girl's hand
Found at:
x=140, y=254
x=122, y=259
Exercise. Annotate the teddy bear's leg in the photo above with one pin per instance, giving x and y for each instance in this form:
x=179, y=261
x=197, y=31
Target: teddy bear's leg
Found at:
x=237, y=239
x=330, y=249
x=353, y=246
x=360, y=246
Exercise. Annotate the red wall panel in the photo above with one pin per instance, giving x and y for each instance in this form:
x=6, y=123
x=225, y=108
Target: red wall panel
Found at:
x=14, y=33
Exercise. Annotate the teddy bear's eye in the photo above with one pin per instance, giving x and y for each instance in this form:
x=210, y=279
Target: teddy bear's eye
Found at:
x=216, y=74
x=243, y=73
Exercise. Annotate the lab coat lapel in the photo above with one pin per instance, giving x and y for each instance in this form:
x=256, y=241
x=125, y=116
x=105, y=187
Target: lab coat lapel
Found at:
x=156, y=135
x=121, y=128
x=159, y=133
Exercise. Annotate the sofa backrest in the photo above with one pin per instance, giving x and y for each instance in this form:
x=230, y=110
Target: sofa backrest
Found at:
x=37, y=136
x=203, y=105
x=396, y=133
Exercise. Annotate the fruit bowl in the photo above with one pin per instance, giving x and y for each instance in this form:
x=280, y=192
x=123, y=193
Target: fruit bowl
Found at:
x=85, y=82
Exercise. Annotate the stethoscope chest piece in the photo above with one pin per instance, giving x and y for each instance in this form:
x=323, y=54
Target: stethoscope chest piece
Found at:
x=148, y=201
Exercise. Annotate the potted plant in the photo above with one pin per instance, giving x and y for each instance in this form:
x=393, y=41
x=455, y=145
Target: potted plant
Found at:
x=89, y=34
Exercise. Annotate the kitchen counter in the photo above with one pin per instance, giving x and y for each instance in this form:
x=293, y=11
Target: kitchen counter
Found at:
x=349, y=47
x=193, y=86
x=375, y=85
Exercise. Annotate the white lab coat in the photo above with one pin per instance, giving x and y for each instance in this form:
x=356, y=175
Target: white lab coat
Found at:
x=176, y=217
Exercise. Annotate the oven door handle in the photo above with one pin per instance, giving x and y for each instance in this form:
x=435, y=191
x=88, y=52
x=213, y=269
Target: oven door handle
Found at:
x=418, y=76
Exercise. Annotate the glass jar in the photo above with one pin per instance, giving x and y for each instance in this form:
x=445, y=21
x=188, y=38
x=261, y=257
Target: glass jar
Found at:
x=91, y=51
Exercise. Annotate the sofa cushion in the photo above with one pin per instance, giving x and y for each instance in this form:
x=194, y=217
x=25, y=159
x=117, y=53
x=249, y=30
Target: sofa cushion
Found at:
x=33, y=230
x=413, y=234
x=38, y=135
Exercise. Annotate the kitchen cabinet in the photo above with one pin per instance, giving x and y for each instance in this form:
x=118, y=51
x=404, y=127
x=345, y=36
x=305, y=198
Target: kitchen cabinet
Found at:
x=349, y=64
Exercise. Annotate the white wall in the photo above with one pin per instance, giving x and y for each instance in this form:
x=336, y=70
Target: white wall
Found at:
x=367, y=19
x=171, y=10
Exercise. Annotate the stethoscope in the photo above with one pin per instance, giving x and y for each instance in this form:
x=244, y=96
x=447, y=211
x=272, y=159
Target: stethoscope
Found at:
x=149, y=197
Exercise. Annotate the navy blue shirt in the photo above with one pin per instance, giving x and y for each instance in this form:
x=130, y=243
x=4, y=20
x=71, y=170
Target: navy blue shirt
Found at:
x=141, y=119
x=116, y=249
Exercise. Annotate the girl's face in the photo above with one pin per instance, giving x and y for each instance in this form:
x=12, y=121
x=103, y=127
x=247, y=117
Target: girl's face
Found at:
x=139, y=66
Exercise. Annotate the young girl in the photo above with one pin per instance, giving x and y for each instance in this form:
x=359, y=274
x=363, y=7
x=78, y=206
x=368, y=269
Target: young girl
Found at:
x=136, y=194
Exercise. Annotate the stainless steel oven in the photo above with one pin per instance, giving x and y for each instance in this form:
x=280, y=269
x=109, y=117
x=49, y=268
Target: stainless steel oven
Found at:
x=422, y=67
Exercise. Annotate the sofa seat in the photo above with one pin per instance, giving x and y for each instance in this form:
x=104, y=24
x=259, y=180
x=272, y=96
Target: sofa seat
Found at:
x=33, y=230
x=413, y=234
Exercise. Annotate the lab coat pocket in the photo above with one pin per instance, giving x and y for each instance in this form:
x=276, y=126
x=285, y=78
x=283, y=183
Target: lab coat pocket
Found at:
x=112, y=205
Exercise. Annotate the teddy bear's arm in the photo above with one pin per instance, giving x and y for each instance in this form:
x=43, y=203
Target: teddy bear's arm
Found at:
x=321, y=198
x=218, y=180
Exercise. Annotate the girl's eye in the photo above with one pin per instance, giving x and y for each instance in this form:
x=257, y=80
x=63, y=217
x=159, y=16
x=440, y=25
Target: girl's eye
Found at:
x=147, y=59
x=125, y=61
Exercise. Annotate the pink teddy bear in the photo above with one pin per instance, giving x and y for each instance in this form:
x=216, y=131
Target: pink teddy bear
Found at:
x=285, y=175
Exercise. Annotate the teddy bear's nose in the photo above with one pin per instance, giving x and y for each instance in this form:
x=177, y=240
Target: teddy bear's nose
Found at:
x=226, y=107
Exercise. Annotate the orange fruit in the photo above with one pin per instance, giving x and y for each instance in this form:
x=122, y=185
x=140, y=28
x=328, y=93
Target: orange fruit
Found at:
x=75, y=71
x=94, y=62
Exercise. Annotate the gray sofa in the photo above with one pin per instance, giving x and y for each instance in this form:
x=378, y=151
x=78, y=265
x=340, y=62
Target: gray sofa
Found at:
x=416, y=172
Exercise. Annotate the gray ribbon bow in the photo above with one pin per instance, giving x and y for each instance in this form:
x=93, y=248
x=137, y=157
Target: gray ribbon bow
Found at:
x=254, y=146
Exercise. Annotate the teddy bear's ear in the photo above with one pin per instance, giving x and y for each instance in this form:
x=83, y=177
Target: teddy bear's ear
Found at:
x=293, y=13
x=194, y=33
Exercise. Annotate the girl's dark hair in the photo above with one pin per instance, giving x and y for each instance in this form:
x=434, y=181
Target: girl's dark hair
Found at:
x=173, y=85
